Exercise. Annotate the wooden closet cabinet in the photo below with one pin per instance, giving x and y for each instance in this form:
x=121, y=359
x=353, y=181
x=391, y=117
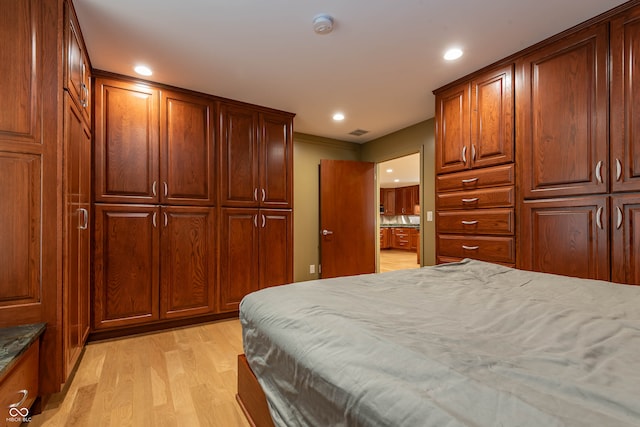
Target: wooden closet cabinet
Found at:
x=77, y=70
x=475, y=123
x=562, y=109
x=255, y=252
x=256, y=157
x=153, y=263
x=625, y=238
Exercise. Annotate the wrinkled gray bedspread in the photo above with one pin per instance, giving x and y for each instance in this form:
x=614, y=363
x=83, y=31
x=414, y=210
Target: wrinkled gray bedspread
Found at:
x=470, y=343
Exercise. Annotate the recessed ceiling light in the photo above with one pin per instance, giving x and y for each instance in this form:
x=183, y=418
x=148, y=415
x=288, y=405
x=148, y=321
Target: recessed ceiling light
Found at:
x=389, y=170
x=453, y=54
x=143, y=70
x=396, y=180
x=338, y=117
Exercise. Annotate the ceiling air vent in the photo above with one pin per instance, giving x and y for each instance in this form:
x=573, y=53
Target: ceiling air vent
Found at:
x=358, y=132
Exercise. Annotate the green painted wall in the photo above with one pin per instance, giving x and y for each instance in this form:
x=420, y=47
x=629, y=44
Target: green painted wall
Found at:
x=308, y=150
x=413, y=139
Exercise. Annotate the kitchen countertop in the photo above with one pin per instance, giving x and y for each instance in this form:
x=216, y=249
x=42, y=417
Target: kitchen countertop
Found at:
x=15, y=340
x=400, y=226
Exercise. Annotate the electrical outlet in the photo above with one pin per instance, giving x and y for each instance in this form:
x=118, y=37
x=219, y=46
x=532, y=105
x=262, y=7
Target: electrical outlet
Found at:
x=312, y=269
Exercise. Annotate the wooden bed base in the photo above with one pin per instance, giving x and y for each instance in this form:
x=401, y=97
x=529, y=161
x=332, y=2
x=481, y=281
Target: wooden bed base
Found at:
x=251, y=397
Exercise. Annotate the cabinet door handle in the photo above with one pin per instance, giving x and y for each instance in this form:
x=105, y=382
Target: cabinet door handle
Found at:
x=474, y=222
x=618, y=169
x=166, y=188
x=471, y=200
x=599, y=171
x=599, y=218
x=264, y=221
x=255, y=221
x=255, y=194
x=473, y=152
x=264, y=194
x=25, y=394
x=464, y=154
x=153, y=220
x=620, y=218
x=469, y=180
x=83, y=95
x=153, y=188
x=166, y=219
x=85, y=219
x=470, y=248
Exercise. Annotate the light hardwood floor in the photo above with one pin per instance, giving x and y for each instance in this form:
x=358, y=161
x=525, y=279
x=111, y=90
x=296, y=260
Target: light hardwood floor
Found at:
x=396, y=259
x=180, y=377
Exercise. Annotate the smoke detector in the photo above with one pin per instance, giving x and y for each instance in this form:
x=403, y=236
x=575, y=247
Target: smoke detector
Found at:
x=323, y=24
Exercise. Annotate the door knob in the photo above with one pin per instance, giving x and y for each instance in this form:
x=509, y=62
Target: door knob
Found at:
x=326, y=232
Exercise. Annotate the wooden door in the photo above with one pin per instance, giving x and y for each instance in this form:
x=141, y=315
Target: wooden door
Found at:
x=453, y=129
x=276, y=160
x=239, y=157
x=347, y=218
x=492, y=118
x=625, y=239
x=126, y=142
x=187, y=129
x=239, y=256
x=126, y=265
x=275, y=247
x=562, y=116
x=625, y=102
x=566, y=236
x=188, y=261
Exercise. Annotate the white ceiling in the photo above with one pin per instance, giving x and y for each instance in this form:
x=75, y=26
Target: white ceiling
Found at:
x=404, y=169
x=379, y=65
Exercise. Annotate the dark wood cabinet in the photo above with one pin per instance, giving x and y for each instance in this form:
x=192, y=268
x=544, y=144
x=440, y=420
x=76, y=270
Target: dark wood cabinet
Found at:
x=388, y=201
x=475, y=122
x=385, y=241
x=256, y=154
x=255, y=252
x=126, y=142
x=625, y=102
x=562, y=116
x=568, y=236
x=77, y=70
x=406, y=198
x=401, y=238
x=625, y=239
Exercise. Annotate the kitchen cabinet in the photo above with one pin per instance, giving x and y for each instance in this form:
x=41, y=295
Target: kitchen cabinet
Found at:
x=475, y=122
x=414, y=237
x=255, y=252
x=385, y=241
x=401, y=238
x=625, y=238
x=388, y=200
x=144, y=138
x=256, y=154
x=77, y=70
x=562, y=110
x=153, y=263
x=406, y=199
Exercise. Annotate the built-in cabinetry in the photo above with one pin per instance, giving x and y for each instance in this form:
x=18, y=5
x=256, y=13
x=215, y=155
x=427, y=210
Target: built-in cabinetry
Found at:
x=388, y=201
x=577, y=153
x=185, y=182
x=475, y=185
x=399, y=238
x=399, y=201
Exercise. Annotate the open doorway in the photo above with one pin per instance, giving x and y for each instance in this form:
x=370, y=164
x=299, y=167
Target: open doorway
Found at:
x=399, y=225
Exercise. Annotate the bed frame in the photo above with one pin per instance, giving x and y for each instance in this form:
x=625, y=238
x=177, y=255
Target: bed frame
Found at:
x=250, y=396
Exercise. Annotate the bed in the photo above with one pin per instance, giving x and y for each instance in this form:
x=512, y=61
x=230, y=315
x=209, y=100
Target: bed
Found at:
x=461, y=344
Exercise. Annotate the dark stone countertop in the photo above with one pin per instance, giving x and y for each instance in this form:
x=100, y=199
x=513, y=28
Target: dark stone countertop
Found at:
x=15, y=340
x=400, y=226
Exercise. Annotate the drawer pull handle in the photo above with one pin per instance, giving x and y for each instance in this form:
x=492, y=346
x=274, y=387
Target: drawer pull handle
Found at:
x=474, y=222
x=25, y=394
x=471, y=200
x=469, y=180
x=470, y=248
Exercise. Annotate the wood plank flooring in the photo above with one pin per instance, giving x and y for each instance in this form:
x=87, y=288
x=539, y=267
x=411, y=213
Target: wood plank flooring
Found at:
x=396, y=259
x=180, y=377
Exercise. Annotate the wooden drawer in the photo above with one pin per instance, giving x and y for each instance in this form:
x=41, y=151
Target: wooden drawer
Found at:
x=446, y=260
x=475, y=179
x=501, y=197
x=485, y=248
x=22, y=376
x=476, y=221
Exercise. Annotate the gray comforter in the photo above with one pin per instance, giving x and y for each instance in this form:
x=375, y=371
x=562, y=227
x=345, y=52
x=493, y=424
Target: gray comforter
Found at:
x=464, y=344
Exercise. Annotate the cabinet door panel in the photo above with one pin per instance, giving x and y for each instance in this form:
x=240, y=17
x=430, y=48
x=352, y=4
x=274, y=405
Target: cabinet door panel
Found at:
x=239, y=256
x=126, y=142
x=453, y=129
x=563, y=96
x=20, y=229
x=21, y=70
x=188, y=147
x=126, y=265
x=566, y=236
x=276, y=154
x=238, y=157
x=492, y=136
x=77, y=69
x=187, y=269
x=625, y=244
x=275, y=247
x=625, y=102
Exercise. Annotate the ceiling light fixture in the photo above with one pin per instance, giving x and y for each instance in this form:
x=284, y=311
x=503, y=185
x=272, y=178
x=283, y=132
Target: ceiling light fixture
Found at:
x=143, y=70
x=453, y=54
x=338, y=117
x=323, y=24
x=389, y=170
